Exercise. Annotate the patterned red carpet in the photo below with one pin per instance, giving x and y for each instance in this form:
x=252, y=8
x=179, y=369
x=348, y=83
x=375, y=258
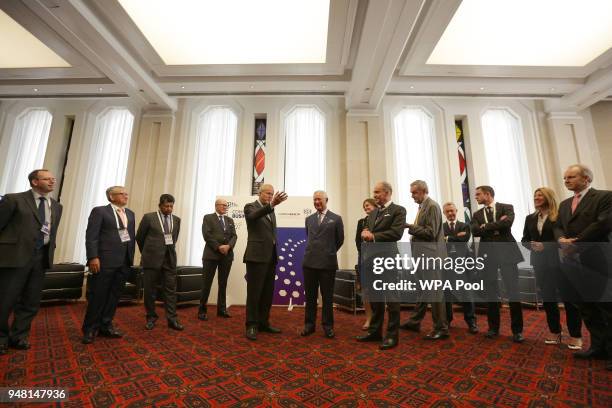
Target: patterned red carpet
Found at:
x=211, y=364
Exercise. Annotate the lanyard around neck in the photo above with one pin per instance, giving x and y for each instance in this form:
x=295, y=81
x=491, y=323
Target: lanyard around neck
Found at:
x=162, y=224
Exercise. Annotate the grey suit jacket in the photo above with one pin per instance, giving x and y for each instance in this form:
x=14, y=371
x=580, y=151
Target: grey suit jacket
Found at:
x=214, y=236
x=20, y=226
x=323, y=241
x=428, y=232
x=261, y=241
x=151, y=242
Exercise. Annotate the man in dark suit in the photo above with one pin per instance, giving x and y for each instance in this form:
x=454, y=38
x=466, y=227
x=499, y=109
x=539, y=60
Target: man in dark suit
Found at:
x=260, y=259
x=492, y=224
x=324, y=237
x=385, y=224
x=581, y=223
x=28, y=227
x=427, y=241
x=156, y=238
x=457, y=235
x=220, y=236
x=109, y=242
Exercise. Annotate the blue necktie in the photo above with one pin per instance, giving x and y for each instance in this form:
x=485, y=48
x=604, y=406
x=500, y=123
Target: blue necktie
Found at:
x=40, y=242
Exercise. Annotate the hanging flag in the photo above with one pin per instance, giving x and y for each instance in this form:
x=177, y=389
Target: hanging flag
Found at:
x=259, y=155
x=465, y=185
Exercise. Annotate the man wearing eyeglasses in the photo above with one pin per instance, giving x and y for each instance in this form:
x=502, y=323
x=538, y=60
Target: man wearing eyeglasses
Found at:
x=220, y=237
x=110, y=245
x=28, y=227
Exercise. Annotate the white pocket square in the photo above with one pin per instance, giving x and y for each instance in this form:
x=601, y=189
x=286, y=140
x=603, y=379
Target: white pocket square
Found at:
x=387, y=215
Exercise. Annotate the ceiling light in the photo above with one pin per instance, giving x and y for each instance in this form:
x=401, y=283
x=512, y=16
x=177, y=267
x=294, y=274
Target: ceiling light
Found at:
x=20, y=49
x=182, y=86
x=553, y=89
x=411, y=87
x=251, y=86
x=482, y=88
x=552, y=33
x=100, y=89
x=188, y=32
x=324, y=86
x=35, y=89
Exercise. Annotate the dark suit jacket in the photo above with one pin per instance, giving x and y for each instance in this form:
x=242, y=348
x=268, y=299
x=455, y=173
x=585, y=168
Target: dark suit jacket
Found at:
x=214, y=236
x=389, y=226
x=102, y=238
x=151, y=242
x=360, y=226
x=261, y=242
x=549, y=257
x=323, y=241
x=497, y=231
x=588, y=223
x=457, y=246
x=20, y=226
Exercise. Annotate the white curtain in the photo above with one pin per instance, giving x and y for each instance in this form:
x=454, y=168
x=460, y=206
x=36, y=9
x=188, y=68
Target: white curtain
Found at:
x=304, y=151
x=26, y=152
x=107, y=152
x=414, y=145
x=214, y=170
x=507, y=164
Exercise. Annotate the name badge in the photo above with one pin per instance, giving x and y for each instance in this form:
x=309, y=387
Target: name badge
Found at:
x=168, y=239
x=46, y=228
x=124, y=235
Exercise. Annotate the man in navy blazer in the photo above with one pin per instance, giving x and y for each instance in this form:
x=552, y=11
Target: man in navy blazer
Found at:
x=110, y=245
x=325, y=236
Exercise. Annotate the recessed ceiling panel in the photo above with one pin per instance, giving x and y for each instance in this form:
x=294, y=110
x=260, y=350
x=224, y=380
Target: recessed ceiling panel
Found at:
x=20, y=49
x=566, y=33
x=197, y=32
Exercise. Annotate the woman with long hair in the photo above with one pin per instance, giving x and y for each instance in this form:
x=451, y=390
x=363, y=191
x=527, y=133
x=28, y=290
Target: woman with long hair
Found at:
x=538, y=237
x=368, y=205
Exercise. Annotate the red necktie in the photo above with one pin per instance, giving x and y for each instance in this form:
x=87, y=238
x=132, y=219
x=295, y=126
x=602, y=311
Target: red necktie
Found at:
x=575, y=202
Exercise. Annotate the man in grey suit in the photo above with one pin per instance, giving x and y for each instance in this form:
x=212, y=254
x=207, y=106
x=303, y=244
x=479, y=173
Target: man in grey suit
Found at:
x=28, y=227
x=428, y=241
x=220, y=236
x=260, y=258
x=109, y=242
x=385, y=224
x=156, y=237
x=324, y=237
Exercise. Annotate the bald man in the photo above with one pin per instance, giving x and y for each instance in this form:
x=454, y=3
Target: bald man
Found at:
x=260, y=258
x=220, y=236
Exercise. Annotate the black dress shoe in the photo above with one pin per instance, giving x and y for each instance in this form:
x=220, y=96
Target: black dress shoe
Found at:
x=251, y=333
x=590, y=353
x=472, y=328
x=202, y=316
x=20, y=344
x=415, y=327
x=307, y=331
x=436, y=335
x=224, y=314
x=491, y=334
x=269, y=329
x=329, y=333
x=88, y=337
x=388, y=343
x=175, y=325
x=150, y=324
x=518, y=338
x=111, y=333
x=369, y=337
x=3, y=349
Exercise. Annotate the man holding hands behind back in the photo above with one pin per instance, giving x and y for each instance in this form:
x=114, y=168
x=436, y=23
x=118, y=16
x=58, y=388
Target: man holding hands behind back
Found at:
x=325, y=236
x=156, y=237
x=260, y=259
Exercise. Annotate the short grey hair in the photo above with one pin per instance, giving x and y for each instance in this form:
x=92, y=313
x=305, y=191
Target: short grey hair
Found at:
x=264, y=187
x=448, y=204
x=584, y=171
x=320, y=192
x=386, y=186
x=421, y=185
x=110, y=190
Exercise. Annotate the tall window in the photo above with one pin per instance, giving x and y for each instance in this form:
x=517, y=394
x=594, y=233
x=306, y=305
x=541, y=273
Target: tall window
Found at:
x=26, y=150
x=507, y=163
x=107, y=152
x=214, y=170
x=304, y=151
x=414, y=146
